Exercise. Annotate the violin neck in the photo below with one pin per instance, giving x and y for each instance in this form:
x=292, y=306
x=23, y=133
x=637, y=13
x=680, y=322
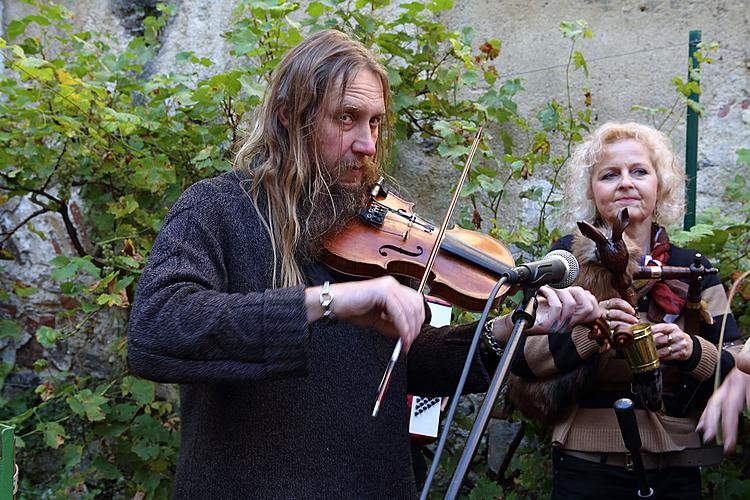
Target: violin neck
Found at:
x=461, y=250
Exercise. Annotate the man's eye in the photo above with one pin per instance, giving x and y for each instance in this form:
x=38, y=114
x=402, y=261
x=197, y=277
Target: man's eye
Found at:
x=345, y=119
x=376, y=121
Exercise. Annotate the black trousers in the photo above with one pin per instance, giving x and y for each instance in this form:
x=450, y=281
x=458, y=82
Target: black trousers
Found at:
x=579, y=479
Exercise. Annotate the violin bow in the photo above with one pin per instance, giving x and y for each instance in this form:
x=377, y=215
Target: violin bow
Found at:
x=386, y=380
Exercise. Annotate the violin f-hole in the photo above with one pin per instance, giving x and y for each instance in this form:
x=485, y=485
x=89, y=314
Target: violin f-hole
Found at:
x=383, y=250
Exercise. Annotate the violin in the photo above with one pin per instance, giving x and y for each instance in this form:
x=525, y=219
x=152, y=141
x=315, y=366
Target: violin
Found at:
x=387, y=237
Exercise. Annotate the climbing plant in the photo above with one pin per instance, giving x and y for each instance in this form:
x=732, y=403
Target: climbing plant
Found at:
x=92, y=136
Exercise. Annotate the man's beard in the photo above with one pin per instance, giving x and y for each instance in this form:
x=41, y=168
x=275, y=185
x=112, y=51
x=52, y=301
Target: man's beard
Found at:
x=328, y=212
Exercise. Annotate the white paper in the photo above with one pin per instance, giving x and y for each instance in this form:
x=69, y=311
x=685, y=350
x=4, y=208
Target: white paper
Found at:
x=425, y=412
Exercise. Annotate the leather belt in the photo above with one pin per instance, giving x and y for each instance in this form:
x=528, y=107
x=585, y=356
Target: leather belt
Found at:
x=691, y=457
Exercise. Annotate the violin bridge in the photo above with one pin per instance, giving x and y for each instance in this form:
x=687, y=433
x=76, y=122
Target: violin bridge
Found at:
x=408, y=227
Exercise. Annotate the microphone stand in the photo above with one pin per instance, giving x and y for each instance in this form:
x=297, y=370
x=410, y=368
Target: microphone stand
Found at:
x=523, y=317
x=460, y=387
x=632, y=438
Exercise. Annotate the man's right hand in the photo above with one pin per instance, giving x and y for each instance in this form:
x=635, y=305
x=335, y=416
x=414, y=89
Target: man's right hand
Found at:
x=392, y=309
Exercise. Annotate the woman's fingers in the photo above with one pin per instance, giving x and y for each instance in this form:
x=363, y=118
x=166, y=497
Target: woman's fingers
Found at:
x=672, y=344
x=587, y=307
x=548, y=312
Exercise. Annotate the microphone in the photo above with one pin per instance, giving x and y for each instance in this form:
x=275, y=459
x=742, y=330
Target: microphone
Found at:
x=558, y=269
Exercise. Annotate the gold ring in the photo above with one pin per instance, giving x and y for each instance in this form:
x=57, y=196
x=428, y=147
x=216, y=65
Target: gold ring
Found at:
x=606, y=315
x=669, y=339
x=669, y=348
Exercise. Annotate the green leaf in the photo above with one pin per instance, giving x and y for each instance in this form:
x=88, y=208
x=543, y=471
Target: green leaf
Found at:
x=110, y=300
x=8, y=329
x=142, y=390
x=452, y=151
x=84, y=264
x=184, y=57
x=440, y=5
x=146, y=450
x=123, y=283
x=123, y=412
x=315, y=9
x=64, y=273
x=60, y=261
x=88, y=404
x=47, y=336
x=111, y=430
x=580, y=62
x=485, y=488
x=743, y=157
x=72, y=455
x=106, y=469
x=549, y=117
x=125, y=206
x=15, y=28
x=54, y=434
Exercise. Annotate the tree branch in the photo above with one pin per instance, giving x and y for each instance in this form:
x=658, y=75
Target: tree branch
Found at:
x=9, y=234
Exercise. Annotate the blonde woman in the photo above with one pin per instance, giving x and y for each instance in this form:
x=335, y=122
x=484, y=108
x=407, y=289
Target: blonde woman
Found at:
x=633, y=166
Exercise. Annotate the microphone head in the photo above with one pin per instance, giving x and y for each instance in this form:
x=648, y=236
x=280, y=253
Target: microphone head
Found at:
x=571, y=265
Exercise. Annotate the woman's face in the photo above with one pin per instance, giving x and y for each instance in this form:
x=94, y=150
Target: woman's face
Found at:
x=625, y=177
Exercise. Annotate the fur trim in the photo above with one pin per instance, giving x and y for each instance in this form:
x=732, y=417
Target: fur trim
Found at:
x=593, y=276
x=548, y=399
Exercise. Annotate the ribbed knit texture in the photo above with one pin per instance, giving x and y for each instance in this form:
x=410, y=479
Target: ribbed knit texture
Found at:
x=272, y=408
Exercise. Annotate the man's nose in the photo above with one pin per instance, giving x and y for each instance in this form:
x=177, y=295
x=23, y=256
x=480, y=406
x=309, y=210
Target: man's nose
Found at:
x=365, y=141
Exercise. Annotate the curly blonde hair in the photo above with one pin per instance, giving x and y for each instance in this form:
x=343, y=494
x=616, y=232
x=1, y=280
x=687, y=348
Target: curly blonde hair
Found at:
x=670, y=203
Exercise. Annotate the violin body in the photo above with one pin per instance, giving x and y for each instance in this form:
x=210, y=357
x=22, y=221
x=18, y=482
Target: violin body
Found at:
x=389, y=238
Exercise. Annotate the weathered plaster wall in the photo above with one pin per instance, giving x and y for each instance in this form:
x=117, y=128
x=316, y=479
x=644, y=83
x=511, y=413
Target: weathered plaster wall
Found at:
x=638, y=46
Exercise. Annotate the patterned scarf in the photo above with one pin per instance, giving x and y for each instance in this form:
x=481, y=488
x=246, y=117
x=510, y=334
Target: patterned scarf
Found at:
x=669, y=295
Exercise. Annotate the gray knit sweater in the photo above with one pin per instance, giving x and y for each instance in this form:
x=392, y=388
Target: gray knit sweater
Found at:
x=272, y=407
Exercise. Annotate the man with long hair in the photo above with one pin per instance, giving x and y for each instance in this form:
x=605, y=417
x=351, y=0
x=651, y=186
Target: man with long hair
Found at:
x=274, y=402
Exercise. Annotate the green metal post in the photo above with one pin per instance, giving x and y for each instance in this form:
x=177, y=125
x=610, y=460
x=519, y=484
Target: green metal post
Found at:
x=691, y=142
x=7, y=462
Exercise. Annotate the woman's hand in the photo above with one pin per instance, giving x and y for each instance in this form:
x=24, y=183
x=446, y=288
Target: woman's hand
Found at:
x=743, y=358
x=559, y=310
x=384, y=304
x=724, y=407
x=618, y=313
x=672, y=344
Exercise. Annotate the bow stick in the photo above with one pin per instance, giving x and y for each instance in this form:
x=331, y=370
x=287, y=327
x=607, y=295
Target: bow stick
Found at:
x=386, y=380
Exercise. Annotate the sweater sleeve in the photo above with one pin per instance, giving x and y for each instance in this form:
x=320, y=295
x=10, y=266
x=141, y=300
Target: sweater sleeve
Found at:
x=542, y=356
x=436, y=361
x=186, y=327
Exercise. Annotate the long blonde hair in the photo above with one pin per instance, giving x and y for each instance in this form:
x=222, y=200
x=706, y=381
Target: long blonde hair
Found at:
x=579, y=198
x=284, y=163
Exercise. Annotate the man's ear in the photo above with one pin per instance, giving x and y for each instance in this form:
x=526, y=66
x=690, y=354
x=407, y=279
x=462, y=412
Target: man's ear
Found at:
x=281, y=114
